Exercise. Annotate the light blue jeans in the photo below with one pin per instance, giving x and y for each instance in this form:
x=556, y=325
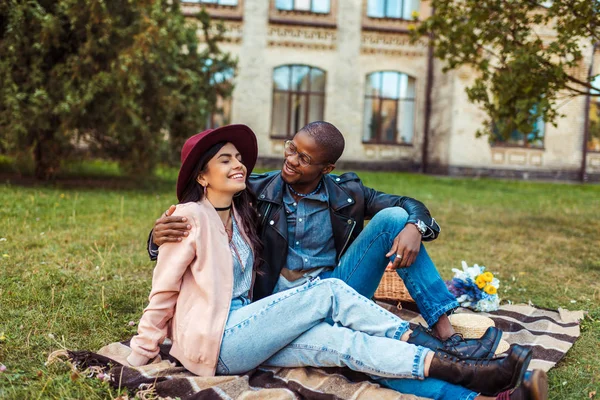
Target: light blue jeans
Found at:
x=322, y=323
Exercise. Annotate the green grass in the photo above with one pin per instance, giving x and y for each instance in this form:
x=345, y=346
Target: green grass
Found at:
x=74, y=270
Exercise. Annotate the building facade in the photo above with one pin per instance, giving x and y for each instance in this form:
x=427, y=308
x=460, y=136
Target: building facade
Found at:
x=350, y=62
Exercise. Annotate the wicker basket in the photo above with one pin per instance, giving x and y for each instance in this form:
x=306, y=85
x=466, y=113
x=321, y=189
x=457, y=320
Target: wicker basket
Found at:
x=392, y=288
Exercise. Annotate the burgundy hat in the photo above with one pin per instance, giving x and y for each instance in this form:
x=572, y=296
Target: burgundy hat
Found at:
x=239, y=135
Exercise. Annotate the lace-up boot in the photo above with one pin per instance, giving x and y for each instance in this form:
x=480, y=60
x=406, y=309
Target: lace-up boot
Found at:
x=472, y=348
x=486, y=376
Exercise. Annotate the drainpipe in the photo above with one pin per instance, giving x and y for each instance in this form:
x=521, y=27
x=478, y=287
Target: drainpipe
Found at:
x=586, y=127
x=428, y=91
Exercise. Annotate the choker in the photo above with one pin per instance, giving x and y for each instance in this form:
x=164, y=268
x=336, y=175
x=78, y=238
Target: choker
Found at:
x=306, y=194
x=223, y=208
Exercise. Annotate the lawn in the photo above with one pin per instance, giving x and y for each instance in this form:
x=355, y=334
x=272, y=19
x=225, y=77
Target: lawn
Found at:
x=74, y=272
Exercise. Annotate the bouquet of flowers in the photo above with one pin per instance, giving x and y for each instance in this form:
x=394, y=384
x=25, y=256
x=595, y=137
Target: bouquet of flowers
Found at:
x=475, y=288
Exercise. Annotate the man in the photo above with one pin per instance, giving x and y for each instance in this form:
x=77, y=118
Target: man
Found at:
x=311, y=225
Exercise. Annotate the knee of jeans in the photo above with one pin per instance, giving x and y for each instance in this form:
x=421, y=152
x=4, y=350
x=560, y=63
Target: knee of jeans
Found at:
x=396, y=216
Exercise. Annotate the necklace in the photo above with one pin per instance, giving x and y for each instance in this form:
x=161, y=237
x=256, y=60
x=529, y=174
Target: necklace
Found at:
x=306, y=194
x=223, y=208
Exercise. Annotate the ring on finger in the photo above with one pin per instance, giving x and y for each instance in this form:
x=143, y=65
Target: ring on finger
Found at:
x=399, y=256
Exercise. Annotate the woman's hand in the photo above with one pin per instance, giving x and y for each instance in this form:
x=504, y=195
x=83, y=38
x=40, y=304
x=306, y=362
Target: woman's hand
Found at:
x=170, y=229
x=406, y=247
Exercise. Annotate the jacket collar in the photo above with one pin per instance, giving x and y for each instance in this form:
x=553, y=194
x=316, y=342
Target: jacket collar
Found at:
x=338, y=197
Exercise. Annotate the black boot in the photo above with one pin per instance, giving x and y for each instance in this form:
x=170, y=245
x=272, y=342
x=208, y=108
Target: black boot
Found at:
x=488, y=377
x=472, y=348
x=534, y=387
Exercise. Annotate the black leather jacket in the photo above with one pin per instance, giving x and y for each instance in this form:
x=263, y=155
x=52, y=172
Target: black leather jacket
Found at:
x=350, y=204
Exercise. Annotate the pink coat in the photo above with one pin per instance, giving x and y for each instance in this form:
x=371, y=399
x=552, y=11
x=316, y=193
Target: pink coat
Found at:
x=191, y=294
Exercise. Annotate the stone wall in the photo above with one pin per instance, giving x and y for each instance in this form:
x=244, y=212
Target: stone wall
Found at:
x=348, y=45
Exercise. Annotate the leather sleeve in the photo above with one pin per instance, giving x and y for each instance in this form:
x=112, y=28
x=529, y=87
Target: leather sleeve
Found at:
x=152, y=247
x=376, y=201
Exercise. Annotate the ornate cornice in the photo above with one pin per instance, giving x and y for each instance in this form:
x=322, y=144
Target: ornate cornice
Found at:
x=227, y=13
x=302, y=37
x=391, y=44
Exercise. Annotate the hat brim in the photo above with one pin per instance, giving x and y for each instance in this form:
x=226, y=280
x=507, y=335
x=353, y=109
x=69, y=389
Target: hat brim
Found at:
x=241, y=136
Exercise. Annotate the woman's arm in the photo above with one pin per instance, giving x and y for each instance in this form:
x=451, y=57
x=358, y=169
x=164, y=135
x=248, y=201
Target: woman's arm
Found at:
x=173, y=261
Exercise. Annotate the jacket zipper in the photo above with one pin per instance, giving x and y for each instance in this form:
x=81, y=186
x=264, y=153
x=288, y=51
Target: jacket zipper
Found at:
x=347, y=240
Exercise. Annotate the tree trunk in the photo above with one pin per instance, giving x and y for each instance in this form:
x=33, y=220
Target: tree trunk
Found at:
x=46, y=156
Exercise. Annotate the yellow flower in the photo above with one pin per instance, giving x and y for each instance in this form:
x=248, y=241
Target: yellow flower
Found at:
x=480, y=282
x=62, y=195
x=489, y=289
x=415, y=14
x=487, y=276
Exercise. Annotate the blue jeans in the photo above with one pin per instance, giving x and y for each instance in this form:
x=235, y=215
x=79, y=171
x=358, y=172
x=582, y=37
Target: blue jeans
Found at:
x=363, y=265
x=322, y=323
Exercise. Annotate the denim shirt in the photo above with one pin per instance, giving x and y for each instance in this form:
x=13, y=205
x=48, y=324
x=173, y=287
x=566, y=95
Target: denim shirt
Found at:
x=310, y=236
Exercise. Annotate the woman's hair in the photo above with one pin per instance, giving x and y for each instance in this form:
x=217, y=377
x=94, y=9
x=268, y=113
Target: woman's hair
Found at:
x=243, y=201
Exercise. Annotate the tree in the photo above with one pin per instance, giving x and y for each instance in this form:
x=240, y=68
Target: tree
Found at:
x=120, y=73
x=521, y=72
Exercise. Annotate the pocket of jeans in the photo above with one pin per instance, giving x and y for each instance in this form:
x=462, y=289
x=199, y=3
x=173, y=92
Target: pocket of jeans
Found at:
x=222, y=368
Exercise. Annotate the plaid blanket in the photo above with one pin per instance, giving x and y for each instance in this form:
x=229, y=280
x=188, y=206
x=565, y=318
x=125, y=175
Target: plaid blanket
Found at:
x=549, y=333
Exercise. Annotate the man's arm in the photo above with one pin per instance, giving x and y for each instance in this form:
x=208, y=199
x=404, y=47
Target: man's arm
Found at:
x=167, y=229
x=376, y=201
x=407, y=243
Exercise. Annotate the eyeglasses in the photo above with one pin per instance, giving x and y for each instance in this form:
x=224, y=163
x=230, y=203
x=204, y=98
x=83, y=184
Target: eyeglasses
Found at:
x=304, y=159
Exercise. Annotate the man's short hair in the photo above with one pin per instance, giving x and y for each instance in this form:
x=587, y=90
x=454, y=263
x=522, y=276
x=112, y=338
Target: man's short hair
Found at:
x=328, y=138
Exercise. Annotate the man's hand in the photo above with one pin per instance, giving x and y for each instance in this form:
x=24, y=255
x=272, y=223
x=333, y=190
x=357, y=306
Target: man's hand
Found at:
x=170, y=229
x=406, y=247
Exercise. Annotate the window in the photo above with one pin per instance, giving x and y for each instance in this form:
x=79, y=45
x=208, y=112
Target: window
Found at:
x=314, y=6
x=218, y=2
x=389, y=108
x=534, y=139
x=593, y=143
x=221, y=115
x=398, y=9
x=298, y=98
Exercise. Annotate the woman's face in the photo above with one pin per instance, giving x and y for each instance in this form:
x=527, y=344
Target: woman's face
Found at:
x=224, y=174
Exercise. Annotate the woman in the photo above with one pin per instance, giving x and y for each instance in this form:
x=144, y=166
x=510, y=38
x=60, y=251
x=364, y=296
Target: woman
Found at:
x=201, y=296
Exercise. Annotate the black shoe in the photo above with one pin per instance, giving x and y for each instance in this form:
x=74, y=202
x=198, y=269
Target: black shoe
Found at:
x=472, y=348
x=485, y=376
x=534, y=387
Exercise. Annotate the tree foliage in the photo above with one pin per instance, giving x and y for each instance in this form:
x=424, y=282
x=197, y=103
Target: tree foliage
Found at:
x=121, y=74
x=527, y=56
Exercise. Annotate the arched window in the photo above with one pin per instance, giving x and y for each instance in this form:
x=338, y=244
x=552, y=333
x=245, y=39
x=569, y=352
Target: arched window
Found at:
x=534, y=139
x=389, y=108
x=298, y=98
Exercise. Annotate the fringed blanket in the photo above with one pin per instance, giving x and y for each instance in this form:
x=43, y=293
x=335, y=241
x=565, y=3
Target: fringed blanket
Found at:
x=167, y=379
x=549, y=333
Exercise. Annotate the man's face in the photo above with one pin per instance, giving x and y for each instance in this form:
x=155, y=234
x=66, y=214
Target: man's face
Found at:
x=294, y=172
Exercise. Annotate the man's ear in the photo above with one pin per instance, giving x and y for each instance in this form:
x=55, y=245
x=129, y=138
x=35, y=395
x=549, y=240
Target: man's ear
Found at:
x=328, y=169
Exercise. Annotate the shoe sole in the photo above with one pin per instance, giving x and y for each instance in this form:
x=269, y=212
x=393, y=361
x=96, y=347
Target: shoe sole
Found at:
x=524, y=357
x=538, y=387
